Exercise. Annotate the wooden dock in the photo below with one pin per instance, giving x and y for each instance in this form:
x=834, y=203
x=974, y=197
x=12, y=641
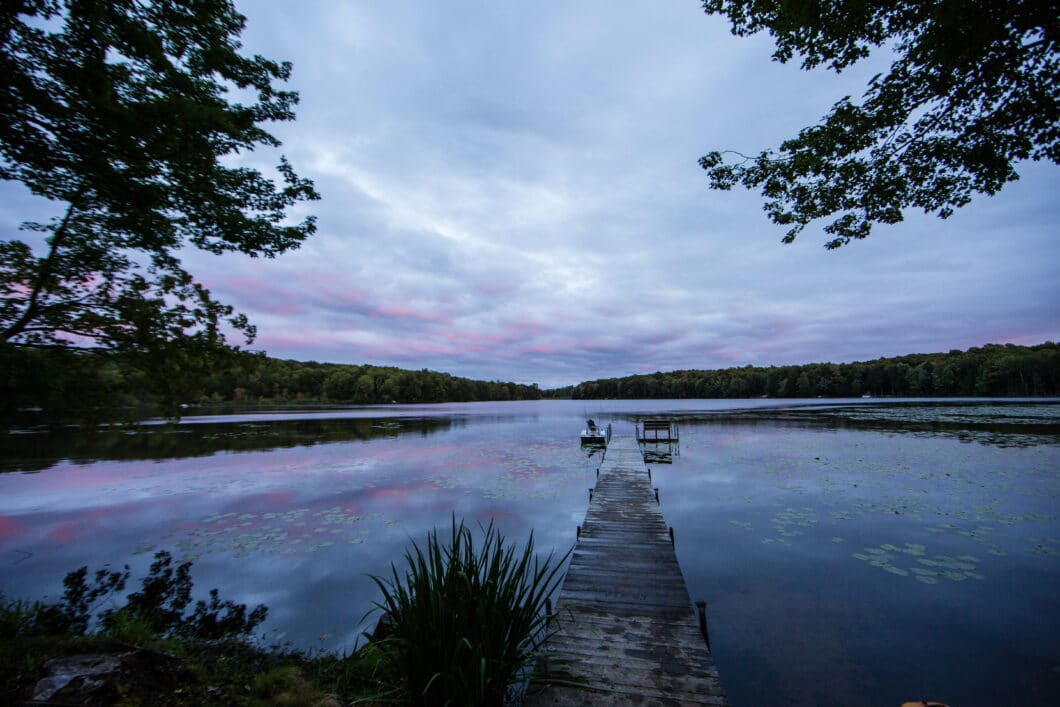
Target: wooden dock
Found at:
x=624, y=628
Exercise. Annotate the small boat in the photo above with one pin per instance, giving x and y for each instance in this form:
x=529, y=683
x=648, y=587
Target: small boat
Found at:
x=593, y=435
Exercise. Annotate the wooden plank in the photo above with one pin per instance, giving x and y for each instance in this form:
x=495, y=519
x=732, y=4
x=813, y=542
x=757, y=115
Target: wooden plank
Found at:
x=571, y=697
x=624, y=627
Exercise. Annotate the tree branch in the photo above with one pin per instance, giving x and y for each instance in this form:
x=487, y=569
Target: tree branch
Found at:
x=32, y=302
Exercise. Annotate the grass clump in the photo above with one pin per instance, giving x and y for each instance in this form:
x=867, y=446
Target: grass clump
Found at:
x=286, y=686
x=466, y=618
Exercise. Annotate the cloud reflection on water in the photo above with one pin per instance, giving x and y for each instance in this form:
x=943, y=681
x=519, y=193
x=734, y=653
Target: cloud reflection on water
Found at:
x=771, y=510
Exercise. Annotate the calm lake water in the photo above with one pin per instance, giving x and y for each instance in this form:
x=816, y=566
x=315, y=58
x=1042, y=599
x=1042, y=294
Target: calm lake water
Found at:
x=851, y=552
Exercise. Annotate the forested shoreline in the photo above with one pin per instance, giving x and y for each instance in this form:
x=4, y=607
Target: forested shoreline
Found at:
x=994, y=370
x=64, y=384
x=71, y=384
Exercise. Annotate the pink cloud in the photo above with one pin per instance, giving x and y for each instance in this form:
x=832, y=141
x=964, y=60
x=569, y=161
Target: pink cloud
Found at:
x=397, y=312
x=403, y=349
x=726, y=354
x=495, y=288
x=545, y=350
x=604, y=346
x=291, y=294
x=251, y=284
x=285, y=310
x=338, y=299
x=512, y=334
x=428, y=348
x=18, y=291
x=292, y=341
x=409, y=313
x=524, y=329
x=476, y=340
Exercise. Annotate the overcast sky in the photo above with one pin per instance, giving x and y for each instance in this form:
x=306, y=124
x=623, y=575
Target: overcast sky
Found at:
x=511, y=191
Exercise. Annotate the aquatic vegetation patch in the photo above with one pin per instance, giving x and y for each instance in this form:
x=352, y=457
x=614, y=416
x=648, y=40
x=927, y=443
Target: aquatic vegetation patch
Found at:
x=787, y=524
x=777, y=541
x=508, y=472
x=926, y=570
x=1044, y=546
x=299, y=530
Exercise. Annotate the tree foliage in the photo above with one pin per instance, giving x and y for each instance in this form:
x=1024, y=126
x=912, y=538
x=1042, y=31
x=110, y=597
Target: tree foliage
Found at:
x=91, y=386
x=118, y=113
x=992, y=371
x=974, y=89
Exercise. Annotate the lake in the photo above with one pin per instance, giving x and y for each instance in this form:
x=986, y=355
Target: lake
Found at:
x=851, y=552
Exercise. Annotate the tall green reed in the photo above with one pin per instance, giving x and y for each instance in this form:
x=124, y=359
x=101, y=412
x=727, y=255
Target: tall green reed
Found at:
x=467, y=620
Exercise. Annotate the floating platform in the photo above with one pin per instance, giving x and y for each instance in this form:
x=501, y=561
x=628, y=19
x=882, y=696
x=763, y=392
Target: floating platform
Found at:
x=624, y=629
x=657, y=430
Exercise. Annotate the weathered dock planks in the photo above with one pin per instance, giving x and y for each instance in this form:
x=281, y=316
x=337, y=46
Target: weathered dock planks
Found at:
x=624, y=628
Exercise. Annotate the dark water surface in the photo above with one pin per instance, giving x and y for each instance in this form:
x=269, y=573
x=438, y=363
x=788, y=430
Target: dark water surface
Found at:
x=852, y=552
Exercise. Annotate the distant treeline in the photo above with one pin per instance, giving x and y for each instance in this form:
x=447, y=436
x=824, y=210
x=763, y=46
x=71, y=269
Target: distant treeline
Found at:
x=278, y=379
x=993, y=370
x=72, y=384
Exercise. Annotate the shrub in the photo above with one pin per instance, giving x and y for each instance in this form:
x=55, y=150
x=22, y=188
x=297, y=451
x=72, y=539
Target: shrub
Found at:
x=164, y=595
x=466, y=622
x=158, y=609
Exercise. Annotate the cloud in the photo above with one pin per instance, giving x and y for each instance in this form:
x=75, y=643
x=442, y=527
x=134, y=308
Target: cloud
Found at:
x=511, y=192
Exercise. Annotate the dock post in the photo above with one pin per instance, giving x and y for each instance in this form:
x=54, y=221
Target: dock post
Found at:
x=702, y=606
x=649, y=474
x=672, y=541
x=598, y=472
x=579, y=533
x=656, y=495
x=590, y=495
